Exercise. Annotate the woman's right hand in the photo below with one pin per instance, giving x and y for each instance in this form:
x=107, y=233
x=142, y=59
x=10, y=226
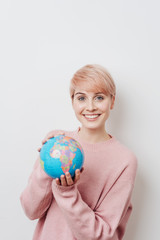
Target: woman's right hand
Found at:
x=50, y=135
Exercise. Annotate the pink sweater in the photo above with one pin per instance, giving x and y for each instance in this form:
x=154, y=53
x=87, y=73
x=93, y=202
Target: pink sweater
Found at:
x=96, y=207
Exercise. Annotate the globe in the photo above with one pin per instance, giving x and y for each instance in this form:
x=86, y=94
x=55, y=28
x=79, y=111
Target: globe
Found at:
x=61, y=154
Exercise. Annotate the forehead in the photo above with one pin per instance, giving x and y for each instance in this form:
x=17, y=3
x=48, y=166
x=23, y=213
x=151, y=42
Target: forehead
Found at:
x=88, y=88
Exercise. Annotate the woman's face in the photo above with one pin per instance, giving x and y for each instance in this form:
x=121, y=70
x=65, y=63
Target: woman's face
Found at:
x=92, y=108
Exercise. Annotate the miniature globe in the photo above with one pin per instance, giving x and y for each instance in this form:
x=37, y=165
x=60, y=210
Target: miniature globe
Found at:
x=61, y=154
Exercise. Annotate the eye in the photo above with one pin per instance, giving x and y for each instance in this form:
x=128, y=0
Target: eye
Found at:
x=81, y=98
x=99, y=98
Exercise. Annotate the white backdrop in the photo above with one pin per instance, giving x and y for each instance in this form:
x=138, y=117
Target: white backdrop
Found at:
x=42, y=43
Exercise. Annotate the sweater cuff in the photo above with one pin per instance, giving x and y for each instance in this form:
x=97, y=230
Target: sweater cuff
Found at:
x=61, y=189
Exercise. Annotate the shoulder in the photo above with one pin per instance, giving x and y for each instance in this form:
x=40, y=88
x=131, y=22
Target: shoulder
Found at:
x=125, y=153
x=128, y=153
x=119, y=155
x=125, y=157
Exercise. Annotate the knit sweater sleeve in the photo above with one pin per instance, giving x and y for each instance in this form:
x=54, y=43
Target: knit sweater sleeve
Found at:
x=37, y=196
x=108, y=219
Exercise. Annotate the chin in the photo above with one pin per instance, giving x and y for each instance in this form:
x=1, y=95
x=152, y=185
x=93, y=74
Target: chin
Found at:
x=92, y=126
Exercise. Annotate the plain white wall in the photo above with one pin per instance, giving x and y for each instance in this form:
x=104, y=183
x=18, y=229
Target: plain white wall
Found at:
x=42, y=43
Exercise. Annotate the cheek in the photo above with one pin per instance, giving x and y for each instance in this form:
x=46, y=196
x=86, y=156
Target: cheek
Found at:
x=77, y=107
x=105, y=107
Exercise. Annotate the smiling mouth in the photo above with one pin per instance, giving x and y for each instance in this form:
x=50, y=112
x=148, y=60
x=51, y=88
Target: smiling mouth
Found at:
x=91, y=116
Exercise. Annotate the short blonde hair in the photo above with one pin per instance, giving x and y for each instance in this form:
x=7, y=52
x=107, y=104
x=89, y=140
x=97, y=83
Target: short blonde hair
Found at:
x=95, y=77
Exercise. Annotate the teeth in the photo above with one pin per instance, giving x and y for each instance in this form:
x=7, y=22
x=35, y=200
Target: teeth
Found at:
x=92, y=116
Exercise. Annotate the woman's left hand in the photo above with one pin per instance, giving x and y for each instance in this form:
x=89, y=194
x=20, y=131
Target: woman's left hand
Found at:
x=67, y=180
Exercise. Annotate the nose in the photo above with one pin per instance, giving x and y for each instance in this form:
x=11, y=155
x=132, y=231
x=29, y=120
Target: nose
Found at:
x=90, y=105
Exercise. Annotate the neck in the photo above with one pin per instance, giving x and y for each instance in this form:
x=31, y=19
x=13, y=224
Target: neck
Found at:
x=92, y=135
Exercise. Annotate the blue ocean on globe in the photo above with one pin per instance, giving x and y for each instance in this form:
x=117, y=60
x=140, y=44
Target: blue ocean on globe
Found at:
x=61, y=154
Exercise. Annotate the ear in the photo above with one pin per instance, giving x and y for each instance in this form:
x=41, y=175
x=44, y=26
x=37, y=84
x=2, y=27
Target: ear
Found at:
x=112, y=102
x=72, y=100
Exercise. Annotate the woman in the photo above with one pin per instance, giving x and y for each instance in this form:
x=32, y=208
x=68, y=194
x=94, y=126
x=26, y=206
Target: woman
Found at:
x=97, y=203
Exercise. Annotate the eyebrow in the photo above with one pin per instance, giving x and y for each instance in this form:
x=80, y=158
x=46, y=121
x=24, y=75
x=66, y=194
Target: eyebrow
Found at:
x=79, y=93
x=84, y=93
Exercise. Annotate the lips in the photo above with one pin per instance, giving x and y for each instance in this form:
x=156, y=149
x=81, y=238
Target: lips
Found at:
x=91, y=117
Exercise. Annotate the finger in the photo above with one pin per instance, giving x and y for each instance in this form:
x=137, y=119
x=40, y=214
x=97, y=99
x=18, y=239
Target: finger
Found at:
x=82, y=169
x=59, y=133
x=44, y=140
x=77, y=175
x=39, y=149
x=51, y=135
x=58, y=181
x=69, y=179
x=63, y=180
x=48, y=136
